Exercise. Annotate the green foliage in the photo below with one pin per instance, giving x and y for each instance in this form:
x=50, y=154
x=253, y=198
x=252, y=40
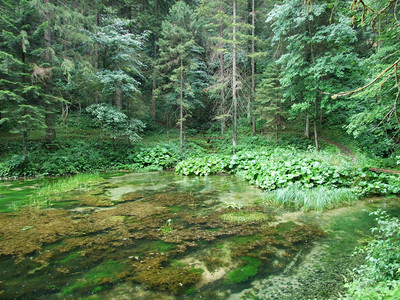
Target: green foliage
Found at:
x=244, y=273
x=72, y=157
x=204, y=166
x=114, y=122
x=269, y=99
x=181, y=69
x=279, y=168
x=379, y=277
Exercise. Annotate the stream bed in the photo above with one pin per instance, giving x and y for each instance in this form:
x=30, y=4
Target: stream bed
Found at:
x=163, y=236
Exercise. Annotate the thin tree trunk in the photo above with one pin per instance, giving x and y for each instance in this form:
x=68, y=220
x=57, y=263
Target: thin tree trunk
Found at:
x=222, y=73
x=253, y=64
x=316, y=135
x=25, y=146
x=49, y=116
x=181, y=111
x=154, y=87
x=234, y=76
x=307, y=129
x=315, y=125
x=315, y=100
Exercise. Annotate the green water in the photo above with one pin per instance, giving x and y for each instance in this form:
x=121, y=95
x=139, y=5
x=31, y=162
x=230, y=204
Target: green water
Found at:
x=163, y=236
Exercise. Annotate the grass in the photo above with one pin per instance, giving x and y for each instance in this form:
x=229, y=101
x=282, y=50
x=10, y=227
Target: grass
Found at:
x=318, y=199
x=43, y=196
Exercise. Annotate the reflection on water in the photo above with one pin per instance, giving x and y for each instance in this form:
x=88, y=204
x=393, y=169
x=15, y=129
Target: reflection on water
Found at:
x=163, y=236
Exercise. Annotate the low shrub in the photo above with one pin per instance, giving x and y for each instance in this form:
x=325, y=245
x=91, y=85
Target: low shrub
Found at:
x=379, y=277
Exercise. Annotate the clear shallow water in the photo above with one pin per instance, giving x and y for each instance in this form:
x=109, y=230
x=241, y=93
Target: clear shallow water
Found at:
x=164, y=236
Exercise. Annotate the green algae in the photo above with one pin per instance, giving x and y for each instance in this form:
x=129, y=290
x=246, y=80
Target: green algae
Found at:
x=107, y=272
x=244, y=273
x=163, y=246
x=174, y=208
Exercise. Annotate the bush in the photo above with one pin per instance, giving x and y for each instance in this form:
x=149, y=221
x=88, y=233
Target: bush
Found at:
x=379, y=277
x=272, y=169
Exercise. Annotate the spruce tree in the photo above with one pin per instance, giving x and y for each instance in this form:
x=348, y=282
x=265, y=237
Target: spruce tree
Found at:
x=179, y=65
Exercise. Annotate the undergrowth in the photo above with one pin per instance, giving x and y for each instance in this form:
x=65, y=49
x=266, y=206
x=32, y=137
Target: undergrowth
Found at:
x=379, y=277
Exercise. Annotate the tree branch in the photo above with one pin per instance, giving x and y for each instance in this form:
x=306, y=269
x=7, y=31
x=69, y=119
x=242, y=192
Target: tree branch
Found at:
x=342, y=94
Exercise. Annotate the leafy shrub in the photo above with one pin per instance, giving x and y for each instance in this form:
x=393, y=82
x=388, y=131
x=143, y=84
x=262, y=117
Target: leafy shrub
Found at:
x=206, y=165
x=272, y=169
x=371, y=183
x=379, y=277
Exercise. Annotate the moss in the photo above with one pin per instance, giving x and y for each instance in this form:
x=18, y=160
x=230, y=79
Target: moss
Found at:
x=138, y=209
x=190, y=291
x=174, y=208
x=97, y=201
x=214, y=263
x=286, y=226
x=132, y=196
x=173, y=279
x=244, y=217
x=244, y=273
x=163, y=246
x=177, y=264
x=70, y=257
x=105, y=273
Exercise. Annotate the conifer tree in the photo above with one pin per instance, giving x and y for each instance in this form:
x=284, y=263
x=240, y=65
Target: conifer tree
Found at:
x=180, y=64
x=269, y=100
x=21, y=99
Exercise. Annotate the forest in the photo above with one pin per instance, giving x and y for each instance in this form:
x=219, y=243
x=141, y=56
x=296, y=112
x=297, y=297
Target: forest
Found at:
x=297, y=98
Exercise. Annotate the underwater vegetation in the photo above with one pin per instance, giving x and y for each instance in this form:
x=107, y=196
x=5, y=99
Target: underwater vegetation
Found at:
x=140, y=239
x=243, y=273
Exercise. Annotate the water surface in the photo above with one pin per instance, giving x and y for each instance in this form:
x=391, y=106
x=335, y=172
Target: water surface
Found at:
x=163, y=236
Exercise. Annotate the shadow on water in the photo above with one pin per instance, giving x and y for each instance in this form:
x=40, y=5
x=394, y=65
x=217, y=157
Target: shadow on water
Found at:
x=162, y=236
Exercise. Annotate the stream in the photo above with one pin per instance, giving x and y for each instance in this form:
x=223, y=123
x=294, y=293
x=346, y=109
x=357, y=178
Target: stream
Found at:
x=164, y=236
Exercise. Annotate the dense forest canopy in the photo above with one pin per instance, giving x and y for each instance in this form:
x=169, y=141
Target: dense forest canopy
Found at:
x=203, y=66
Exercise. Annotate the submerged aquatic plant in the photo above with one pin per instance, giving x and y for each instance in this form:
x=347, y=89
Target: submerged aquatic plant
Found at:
x=167, y=227
x=243, y=217
x=234, y=205
x=244, y=273
x=319, y=198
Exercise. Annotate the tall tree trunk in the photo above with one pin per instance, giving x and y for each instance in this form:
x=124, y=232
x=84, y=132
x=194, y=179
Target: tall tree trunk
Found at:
x=154, y=86
x=24, y=80
x=234, y=76
x=222, y=72
x=49, y=116
x=307, y=129
x=253, y=63
x=181, y=111
x=315, y=100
